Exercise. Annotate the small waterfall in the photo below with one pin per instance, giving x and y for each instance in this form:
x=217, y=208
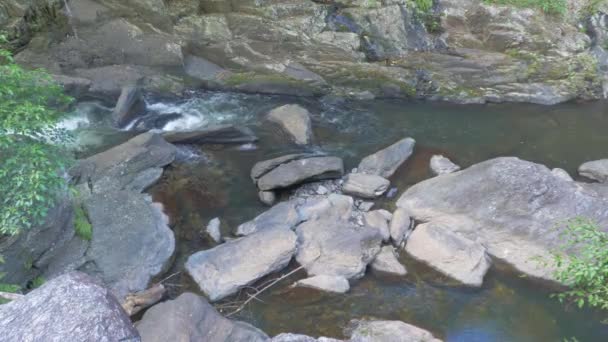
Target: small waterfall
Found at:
x=68, y=13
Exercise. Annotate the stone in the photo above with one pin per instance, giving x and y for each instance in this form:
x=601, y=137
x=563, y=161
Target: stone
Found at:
x=213, y=230
x=441, y=165
x=325, y=283
x=267, y=197
x=459, y=258
x=201, y=68
x=288, y=337
x=376, y=219
x=295, y=120
x=385, y=162
x=561, y=173
x=400, y=227
x=190, y=318
x=130, y=104
x=71, y=307
x=515, y=208
x=263, y=167
x=222, y=134
x=386, y=262
x=227, y=268
x=596, y=170
x=337, y=248
x=365, y=186
x=365, y=206
x=301, y=170
x=388, y=331
x=282, y=216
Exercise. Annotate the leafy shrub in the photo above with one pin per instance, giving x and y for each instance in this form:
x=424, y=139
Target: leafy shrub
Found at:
x=424, y=6
x=81, y=224
x=548, y=6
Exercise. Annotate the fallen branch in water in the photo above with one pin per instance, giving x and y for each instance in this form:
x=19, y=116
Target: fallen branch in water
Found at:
x=11, y=296
x=135, y=302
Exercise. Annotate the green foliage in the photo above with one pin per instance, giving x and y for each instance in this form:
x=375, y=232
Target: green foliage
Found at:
x=424, y=6
x=548, y=6
x=82, y=225
x=37, y=282
x=6, y=287
x=585, y=272
x=31, y=145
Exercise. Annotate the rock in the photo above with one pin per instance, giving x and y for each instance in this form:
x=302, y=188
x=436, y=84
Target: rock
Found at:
x=282, y=216
x=441, y=165
x=72, y=307
x=400, y=226
x=385, y=162
x=376, y=219
x=129, y=105
x=366, y=186
x=74, y=86
x=154, y=121
x=457, y=257
x=326, y=283
x=333, y=206
x=190, y=318
x=202, y=69
x=386, y=261
x=596, y=170
x=301, y=338
x=321, y=190
x=561, y=173
x=295, y=120
x=213, y=230
x=365, y=206
x=515, y=208
x=263, y=167
x=337, y=248
x=388, y=331
x=225, y=269
x=299, y=171
x=267, y=197
x=223, y=134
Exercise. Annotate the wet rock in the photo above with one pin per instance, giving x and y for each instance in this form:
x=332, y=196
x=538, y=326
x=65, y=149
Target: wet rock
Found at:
x=263, y=167
x=213, y=230
x=299, y=171
x=596, y=170
x=326, y=283
x=365, y=186
x=376, y=219
x=448, y=253
x=281, y=216
x=191, y=318
x=388, y=331
x=386, y=261
x=72, y=307
x=515, y=208
x=225, y=269
x=441, y=165
x=561, y=173
x=337, y=248
x=74, y=86
x=385, y=162
x=400, y=227
x=295, y=120
x=202, y=68
x=267, y=197
x=301, y=338
x=223, y=134
x=130, y=104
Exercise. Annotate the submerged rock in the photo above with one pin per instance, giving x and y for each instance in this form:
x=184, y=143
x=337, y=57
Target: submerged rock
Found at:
x=441, y=165
x=295, y=120
x=388, y=331
x=129, y=105
x=222, y=134
x=282, y=216
x=385, y=162
x=386, y=261
x=365, y=186
x=596, y=170
x=457, y=257
x=326, y=283
x=190, y=318
x=299, y=171
x=225, y=269
x=72, y=307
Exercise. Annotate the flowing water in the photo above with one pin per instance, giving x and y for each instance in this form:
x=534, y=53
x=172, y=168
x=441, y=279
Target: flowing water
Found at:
x=213, y=181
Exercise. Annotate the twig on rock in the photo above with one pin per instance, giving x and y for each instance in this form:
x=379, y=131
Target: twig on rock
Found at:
x=11, y=296
x=135, y=302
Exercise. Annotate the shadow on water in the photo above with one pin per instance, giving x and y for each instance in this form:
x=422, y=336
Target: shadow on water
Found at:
x=506, y=308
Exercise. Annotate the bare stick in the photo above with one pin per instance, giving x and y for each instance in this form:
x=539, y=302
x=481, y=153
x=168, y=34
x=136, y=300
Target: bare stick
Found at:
x=11, y=296
x=135, y=302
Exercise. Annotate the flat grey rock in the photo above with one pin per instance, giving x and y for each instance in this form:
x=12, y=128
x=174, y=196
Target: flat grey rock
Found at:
x=325, y=283
x=388, y=331
x=301, y=170
x=596, y=170
x=281, y=216
x=441, y=165
x=385, y=162
x=295, y=120
x=288, y=337
x=386, y=262
x=365, y=186
x=222, y=134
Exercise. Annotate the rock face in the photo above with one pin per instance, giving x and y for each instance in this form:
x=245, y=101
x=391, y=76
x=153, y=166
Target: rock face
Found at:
x=223, y=134
x=366, y=186
x=386, y=261
x=295, y=120
x=389, y=331
x=336, y=248
x=596, y=170
x=326, y=283
x=190, y=318
x=129, y=105
x=293, y=172
x=457, y=257
x=225, y=269
x=72, y=307
x=512, y=207
x=441, y=165
x=384, y=163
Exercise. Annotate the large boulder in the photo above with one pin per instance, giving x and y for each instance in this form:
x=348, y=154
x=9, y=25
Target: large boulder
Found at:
x=385, y=162
x=72, y=307
x=596, y=170
x=282, y=216
x=388, y=331
x=298, y=171
x=515, y=208
x=225, y=269
x=295, y=120
x=455, y=256
x=335, y=247
x=190, y=318
x=365, y=186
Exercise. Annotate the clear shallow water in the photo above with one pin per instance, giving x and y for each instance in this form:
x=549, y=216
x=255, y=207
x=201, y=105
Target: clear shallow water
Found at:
x=215, y=183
